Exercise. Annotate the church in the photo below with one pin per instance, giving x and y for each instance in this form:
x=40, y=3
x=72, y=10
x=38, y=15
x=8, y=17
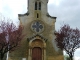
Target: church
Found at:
x=39, y=28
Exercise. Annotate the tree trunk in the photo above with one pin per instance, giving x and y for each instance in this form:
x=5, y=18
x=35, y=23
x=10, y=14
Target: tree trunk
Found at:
x=71, y=57
x=1, y=56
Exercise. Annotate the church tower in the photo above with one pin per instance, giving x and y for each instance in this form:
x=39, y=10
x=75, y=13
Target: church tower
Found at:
x=39, y=27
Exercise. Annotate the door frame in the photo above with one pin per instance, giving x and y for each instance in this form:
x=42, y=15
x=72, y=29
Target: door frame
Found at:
x=33, y=46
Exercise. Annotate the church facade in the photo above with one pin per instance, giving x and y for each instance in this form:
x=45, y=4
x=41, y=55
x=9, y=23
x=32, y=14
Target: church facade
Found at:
x=39, y=27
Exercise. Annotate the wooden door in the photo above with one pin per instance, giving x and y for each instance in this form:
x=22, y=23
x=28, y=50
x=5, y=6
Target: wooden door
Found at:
x=36, y=53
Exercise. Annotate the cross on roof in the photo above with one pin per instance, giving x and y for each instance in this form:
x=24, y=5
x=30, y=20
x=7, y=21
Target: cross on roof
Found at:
x=37, y=26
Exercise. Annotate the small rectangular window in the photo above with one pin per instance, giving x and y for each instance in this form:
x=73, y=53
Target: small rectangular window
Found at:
x=35, y=5
x=37, y=15
x=39, y=5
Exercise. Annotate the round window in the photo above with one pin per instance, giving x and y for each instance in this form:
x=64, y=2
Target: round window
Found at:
x=37, y=26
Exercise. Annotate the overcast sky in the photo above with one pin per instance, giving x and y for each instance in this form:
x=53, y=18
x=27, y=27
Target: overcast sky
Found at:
x=66, y=11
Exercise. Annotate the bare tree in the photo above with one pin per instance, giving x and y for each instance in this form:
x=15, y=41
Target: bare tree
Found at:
x=10, y=37
x=68, y=39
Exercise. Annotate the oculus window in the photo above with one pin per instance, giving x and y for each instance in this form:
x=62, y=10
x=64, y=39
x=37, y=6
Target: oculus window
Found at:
x=37, y=26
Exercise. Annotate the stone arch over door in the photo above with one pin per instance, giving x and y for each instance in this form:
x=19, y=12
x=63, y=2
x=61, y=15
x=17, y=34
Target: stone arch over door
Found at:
x=37, y=46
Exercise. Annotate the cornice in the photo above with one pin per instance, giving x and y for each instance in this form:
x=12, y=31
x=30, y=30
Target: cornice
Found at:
x=50, y=16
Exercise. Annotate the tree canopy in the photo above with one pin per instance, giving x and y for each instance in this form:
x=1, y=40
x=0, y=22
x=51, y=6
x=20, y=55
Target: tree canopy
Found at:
x=10, y=37
x=68, y=39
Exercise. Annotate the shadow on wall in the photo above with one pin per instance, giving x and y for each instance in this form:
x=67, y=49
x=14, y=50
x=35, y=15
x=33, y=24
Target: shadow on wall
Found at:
x=56, y=58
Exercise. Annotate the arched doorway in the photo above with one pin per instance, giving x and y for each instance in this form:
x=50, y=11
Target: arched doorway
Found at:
x=36, y=53
x=37, y=49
